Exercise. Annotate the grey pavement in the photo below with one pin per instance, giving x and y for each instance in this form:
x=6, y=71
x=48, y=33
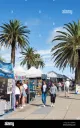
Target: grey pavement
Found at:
x=65, y=108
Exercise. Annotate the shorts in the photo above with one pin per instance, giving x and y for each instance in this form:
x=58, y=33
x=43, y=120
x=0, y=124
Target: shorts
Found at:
x=17, y=97
x=24, y=94
x=67, y=89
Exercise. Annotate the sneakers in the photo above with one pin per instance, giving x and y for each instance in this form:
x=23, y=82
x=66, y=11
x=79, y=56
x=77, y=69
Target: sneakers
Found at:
x=43, y=105
x=24, y=105
x=21, y=107
x=52, y=105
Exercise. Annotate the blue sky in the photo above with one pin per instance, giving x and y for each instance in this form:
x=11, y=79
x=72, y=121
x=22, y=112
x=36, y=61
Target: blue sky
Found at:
x=43, y=18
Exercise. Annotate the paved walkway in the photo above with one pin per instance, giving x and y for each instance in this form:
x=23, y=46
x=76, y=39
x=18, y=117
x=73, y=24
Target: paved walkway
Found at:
x=65, y=108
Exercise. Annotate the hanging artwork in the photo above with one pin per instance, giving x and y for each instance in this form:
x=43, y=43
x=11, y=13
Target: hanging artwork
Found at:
x=9, y=87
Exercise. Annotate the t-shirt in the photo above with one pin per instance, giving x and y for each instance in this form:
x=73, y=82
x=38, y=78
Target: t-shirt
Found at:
x=67, y=83
x=53, y=89
x=44, y=88
x=17, y=91
x=25, y=86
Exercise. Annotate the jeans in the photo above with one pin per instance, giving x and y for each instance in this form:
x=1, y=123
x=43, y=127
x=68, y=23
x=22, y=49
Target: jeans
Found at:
x=44, y=98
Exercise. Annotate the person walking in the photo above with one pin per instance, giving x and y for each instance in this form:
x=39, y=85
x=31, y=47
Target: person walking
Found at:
x=23, y=95
x=17, y=93
x=53, y=91
x=25, y=87
x=28, y=92
x=59, y=86
x=44, y=91
x=66, y=88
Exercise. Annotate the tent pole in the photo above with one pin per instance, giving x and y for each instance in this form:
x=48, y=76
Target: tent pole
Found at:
x=13, y=95
x=29, y=90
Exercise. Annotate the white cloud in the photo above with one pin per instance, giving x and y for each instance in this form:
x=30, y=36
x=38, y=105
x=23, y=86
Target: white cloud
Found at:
x=44, y=52
x=47, y=56
x=53, y=33
x=6, y=56
x=49, y=64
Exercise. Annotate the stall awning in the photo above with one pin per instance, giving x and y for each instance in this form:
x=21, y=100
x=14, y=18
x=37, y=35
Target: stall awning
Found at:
x=33, y=73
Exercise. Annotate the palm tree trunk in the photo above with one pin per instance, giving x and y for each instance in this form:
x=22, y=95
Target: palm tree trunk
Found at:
x=77, y=71
x=13, y=54
x=77, y=74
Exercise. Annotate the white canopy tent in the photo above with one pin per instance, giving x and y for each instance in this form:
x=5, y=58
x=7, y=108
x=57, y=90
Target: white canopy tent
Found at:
x=33, y=73
x=19, y=73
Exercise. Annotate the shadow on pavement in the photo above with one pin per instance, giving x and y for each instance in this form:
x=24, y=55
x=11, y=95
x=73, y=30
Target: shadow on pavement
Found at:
x=39, y=105
x=72, y=93
x=36, y=104
x=68, y=97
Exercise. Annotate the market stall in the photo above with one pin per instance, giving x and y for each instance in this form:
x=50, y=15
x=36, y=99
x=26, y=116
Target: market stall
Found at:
x=34, y=75
x=55, y=77
x=6, y=85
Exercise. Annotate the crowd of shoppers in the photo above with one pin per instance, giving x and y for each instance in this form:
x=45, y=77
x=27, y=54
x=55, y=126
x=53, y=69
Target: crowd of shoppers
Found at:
x=21, y=93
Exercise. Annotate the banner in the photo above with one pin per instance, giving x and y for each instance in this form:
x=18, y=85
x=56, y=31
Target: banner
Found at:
x=6, y=67
x=77, y=89
x=6, y=70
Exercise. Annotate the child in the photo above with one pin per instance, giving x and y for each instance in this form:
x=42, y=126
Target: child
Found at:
x=53, y=91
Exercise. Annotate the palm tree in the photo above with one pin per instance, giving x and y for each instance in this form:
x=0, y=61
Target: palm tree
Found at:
x=31, y=58
x=67, y=51
x=2, y=59
x=14, y=35
x=39, y=61
x=28, y=57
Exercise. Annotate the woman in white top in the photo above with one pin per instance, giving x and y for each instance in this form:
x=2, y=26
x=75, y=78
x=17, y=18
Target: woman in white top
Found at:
x=44, y=91
x=17, y=93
